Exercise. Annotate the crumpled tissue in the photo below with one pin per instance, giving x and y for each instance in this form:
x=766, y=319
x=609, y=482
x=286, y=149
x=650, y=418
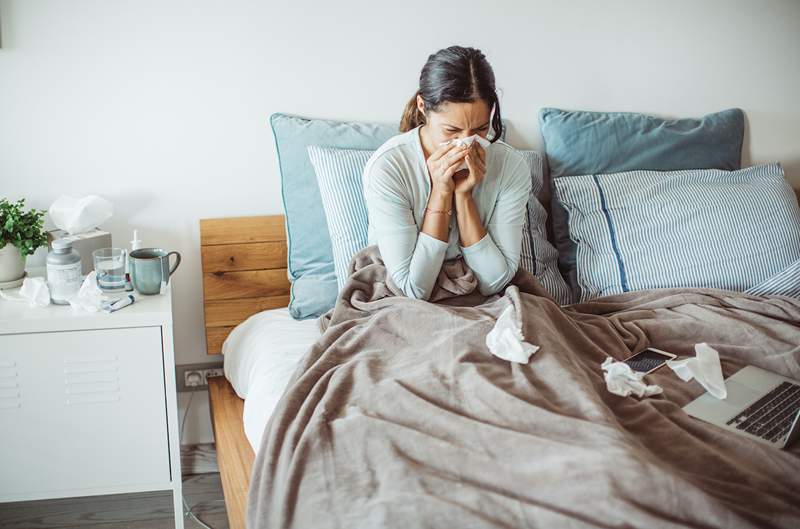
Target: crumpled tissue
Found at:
x=506, y=341
x=34, y=290
x=79, y=215
x=89, y=298
x=622, y=380
x=704, y=367
x=483, y=142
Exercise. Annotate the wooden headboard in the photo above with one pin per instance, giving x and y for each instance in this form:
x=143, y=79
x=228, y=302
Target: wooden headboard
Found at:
x=244, y=271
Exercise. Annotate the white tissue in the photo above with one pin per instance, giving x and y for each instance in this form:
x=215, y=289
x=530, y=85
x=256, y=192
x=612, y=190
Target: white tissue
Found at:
x=506, y=341
x=622, y=380
x=33, y=290
x=483, y=142
x=704, y=367
x=89, y=298
x=79, y=215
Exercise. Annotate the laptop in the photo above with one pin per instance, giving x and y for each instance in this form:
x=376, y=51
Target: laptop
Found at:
x=761, y=405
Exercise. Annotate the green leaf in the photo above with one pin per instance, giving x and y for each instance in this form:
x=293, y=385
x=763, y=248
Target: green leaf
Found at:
x=23, y=229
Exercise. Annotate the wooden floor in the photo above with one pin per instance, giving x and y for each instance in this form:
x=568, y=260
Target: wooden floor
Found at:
x=147, y=510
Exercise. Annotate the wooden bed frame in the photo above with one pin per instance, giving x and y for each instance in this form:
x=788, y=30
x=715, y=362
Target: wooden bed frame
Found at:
x=244, y=272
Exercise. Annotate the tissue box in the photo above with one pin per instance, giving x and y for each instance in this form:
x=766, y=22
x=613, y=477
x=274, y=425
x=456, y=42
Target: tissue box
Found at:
x=84, y=243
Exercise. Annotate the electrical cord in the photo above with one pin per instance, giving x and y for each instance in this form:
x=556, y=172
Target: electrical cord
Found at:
x=187, y=509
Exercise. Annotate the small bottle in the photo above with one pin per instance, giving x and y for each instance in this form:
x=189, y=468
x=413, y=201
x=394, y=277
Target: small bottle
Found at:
x=136, y=243
x=63, y=271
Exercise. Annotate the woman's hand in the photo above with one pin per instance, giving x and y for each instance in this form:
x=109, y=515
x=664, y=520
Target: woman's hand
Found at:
x=465, y=181
x=442, y=166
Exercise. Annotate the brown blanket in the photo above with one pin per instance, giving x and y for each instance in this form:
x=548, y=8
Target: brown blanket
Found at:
x=400, y=417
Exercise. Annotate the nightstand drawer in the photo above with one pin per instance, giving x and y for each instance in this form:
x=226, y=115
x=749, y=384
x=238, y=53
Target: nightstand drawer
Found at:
x=82, y=411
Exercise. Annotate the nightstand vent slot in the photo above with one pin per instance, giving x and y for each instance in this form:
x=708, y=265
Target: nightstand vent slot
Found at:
x=10, y=394
x=91, y=380
x=92, y=398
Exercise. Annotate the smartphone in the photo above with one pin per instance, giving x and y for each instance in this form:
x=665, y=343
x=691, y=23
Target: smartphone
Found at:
x=648, y=360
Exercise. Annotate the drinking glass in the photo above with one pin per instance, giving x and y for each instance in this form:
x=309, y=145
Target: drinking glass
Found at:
x=109, y=263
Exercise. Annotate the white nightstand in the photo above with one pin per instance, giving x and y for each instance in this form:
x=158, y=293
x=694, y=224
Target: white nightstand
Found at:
x=87, y=402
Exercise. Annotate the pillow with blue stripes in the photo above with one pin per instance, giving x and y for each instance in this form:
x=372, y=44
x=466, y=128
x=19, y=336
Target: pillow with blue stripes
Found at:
x=339, y=174
x=704, y=228
x=784, y=283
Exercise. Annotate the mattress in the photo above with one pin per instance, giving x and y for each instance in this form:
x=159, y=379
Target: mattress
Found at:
x=260, y=356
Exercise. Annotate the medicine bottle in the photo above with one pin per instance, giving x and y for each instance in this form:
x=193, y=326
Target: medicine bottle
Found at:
x=63, y=271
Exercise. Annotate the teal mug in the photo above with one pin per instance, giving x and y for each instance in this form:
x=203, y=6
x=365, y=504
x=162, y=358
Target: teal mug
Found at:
x=150, y=267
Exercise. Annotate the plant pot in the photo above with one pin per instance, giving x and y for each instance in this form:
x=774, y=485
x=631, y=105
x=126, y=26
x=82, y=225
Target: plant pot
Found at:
x=12, y=264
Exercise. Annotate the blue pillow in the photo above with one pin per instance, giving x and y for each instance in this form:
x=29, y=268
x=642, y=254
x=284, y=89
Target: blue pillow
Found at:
x=310, y=258
x=696, y=228
x=583, y=143
x=339, y=173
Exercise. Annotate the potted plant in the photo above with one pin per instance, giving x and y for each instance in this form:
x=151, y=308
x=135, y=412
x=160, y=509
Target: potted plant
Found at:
x=21, y=233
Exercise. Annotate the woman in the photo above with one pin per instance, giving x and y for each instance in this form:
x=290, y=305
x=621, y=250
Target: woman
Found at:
x=422, y=208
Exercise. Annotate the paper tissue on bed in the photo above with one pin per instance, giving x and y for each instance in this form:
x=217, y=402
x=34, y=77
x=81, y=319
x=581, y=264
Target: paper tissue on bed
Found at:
x=506, y=340
x=77, y=220
x=623, y=381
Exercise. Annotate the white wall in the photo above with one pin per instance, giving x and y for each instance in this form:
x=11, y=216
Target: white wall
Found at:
x=161, y=106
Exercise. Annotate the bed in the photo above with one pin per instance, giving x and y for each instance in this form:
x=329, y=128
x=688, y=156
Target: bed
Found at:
x=386, y=411
x=244, y=274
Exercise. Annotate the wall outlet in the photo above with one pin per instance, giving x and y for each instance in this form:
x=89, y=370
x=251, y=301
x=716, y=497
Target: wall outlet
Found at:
x=194, y=377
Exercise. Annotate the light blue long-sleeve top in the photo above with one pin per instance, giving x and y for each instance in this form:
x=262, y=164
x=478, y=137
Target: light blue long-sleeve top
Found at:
x=396, y=189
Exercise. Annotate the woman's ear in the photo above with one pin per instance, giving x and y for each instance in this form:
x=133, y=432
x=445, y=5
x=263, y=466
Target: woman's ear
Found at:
x=420, y=105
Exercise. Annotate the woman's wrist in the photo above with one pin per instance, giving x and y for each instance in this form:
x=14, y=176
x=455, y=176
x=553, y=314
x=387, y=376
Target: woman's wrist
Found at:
x=462, y=198
x=440, y=200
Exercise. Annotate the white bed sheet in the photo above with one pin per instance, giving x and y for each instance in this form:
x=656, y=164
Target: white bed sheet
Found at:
x=260, y=355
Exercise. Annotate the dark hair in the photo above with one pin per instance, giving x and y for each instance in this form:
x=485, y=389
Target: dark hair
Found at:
x=457, y=75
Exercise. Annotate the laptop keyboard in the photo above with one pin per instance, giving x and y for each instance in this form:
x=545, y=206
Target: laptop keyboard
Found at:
x=771, y=416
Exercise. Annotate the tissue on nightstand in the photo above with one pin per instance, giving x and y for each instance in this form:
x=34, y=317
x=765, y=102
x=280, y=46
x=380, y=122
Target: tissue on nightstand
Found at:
x=79, y=215
x=34, y=290
x=89, y=298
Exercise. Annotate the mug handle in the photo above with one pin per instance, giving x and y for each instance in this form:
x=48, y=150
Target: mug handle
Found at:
x=177, y=262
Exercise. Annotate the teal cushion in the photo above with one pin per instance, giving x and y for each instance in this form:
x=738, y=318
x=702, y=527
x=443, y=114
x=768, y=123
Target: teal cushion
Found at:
x=585, y=143
x=310, y=259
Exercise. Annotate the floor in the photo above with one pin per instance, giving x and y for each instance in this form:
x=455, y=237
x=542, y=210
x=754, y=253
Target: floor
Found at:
x=147, y=510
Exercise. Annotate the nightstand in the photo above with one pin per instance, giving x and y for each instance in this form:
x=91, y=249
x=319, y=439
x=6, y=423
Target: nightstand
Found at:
x=88, y=402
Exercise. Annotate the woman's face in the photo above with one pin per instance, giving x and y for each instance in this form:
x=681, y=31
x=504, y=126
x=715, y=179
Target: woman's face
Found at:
x=456, y=120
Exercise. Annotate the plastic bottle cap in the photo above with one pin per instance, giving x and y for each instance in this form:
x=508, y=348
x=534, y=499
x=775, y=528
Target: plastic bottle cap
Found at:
x=136, y=243
x=61, y=244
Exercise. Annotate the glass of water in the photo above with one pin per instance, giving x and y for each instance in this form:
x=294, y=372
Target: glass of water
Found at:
x=109, y=263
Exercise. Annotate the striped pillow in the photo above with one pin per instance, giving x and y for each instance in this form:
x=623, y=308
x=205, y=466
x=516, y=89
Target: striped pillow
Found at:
x=539, y=257
x=695, y=228
x=339, y=178
x=785, y=283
